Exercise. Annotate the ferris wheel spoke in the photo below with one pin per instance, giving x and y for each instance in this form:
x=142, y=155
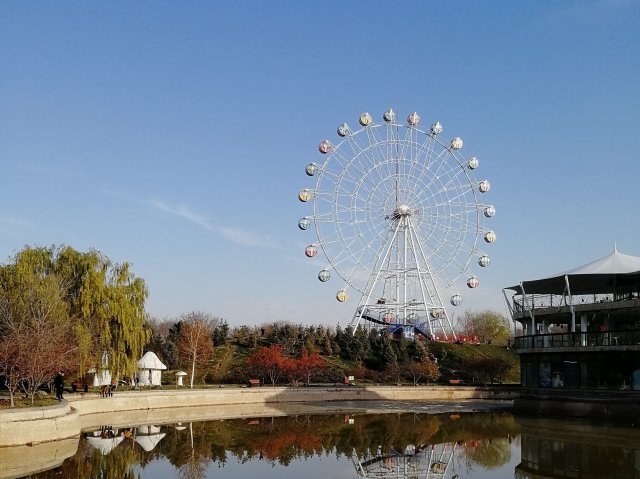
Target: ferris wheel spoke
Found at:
x=391, y=155
x=422, y=153
x=361, y=152
x=455, y=211
x=374, y=146
x=452, y=177
x=362, y=175
x=446, y=231
x=349, y=166
x=376, y=239
x=448, y=249
x=440, y=161
x=434, y=179
x=460, y=193
x=349, y=239
x=344, y=256
x=394, y=153
x=450, y=255
x=371, y=192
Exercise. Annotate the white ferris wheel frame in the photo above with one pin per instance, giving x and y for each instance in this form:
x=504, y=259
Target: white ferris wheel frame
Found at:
x=407, y=181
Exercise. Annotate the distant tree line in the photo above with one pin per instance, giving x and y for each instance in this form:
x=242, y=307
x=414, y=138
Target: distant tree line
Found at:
x=65, y=310
x=285, y=353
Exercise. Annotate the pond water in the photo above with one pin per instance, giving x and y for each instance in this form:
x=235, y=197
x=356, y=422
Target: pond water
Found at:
x=392, y=445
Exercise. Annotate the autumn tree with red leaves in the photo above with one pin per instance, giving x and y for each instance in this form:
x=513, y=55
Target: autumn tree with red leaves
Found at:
x=309, y=364
x=269, y=362
x=10, y=364
x=36, y=335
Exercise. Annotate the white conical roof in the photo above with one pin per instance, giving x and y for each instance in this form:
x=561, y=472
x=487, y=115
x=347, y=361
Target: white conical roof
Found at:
x=598, y=276
x=614, y=263
x=150, y=361
x=104, y=445
x=149, y=442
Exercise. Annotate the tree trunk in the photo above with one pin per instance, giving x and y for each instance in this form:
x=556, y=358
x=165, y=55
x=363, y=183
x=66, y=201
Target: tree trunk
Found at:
x=193, y=370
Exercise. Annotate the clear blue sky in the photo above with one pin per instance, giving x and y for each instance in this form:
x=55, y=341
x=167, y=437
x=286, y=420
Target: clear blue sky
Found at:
x=174, y=135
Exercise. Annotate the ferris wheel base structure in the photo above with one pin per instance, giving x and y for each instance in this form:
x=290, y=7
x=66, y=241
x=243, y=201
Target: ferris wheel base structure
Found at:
x=398, y=217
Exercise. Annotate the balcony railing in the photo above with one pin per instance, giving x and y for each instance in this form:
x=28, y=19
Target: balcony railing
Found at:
x=579, y=340
x=538, y=301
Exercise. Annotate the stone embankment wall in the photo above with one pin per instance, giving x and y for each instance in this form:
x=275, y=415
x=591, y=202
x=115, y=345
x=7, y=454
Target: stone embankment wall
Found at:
x=614, y=409
x=68, y=419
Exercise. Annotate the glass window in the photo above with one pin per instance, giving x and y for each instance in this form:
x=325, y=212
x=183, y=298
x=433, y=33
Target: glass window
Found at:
x=545, y=373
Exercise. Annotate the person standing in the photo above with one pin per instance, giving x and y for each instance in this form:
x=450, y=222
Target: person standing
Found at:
x=58, y=383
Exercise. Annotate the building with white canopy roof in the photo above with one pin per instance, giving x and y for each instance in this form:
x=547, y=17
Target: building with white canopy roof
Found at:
x=580, y=337
x=613, y=279
x=150, y=369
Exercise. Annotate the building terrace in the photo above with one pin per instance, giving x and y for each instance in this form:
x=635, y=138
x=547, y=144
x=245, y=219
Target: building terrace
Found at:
x=580, y=332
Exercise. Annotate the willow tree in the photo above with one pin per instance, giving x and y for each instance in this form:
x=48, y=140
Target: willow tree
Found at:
x=105, y=303
x=109, y=301
x=489, y=326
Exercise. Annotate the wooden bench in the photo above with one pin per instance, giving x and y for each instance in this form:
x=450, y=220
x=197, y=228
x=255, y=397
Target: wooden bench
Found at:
x=455, y=382
x=254, y=383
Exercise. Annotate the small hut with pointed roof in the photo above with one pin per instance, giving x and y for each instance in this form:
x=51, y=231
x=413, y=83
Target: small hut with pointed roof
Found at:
x=150, y=369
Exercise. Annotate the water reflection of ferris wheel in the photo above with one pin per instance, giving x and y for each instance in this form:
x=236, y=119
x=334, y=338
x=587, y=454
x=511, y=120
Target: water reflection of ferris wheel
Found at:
x=431, y=461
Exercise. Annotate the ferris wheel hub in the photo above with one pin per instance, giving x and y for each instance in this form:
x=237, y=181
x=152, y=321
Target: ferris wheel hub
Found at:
x=402, y=210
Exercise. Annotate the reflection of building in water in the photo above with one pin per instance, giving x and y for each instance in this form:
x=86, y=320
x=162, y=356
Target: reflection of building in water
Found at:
x=577, y=451
x=581, y=339
x=107, y=438
x=104, y=439
x=430, y=461
x=148, y=436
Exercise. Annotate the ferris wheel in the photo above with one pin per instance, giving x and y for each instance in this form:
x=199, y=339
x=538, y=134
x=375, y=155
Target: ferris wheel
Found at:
x=398, y=218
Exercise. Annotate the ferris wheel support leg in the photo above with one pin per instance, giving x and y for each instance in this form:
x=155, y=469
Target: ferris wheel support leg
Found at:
x=437, y=293
x=357, y=317
x=377, y=276
x=358, y=465
x=439, y=300
x=422, y=285
x=430, y=463
x=404, y=294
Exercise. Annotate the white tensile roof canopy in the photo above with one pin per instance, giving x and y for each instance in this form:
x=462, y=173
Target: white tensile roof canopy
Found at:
x=150, y=361
x=104, y=445
x=149, y=442
x=604, y=275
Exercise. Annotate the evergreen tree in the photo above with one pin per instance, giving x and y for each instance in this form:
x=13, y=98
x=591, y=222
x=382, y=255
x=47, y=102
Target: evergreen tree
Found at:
x=220, y=333
x=327, y=349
